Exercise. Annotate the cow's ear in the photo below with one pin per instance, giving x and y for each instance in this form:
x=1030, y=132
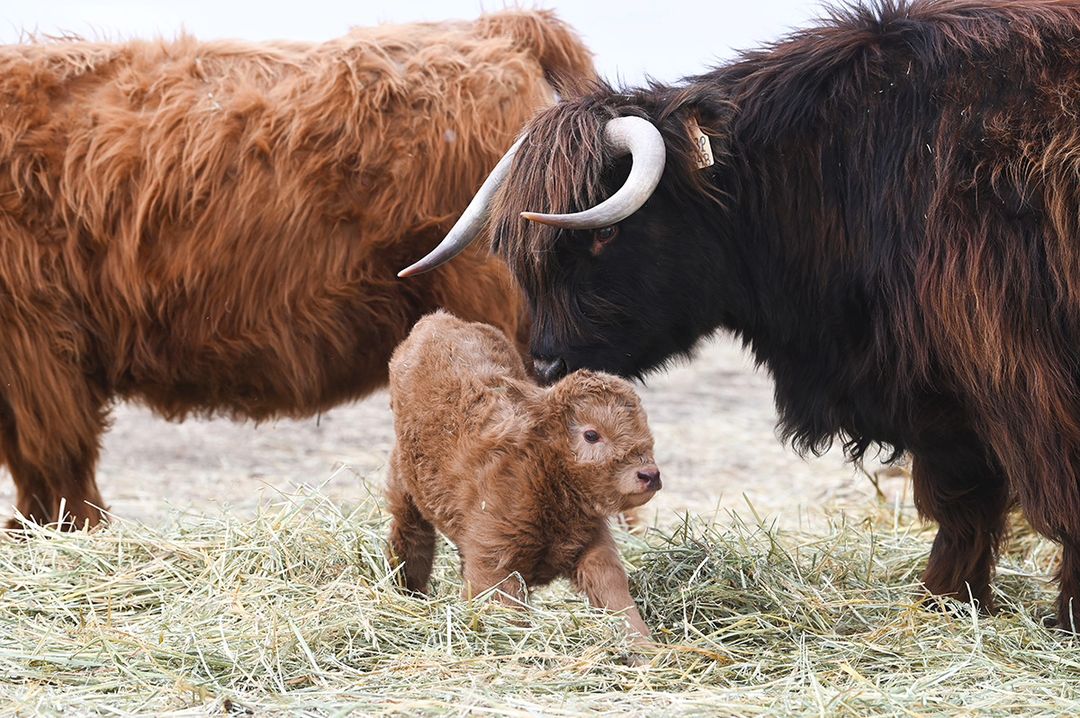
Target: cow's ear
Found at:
x=698, y=126
x=712, y=111
x=698, y=140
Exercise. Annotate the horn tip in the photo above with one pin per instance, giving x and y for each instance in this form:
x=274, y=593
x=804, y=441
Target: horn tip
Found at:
x=538, y=217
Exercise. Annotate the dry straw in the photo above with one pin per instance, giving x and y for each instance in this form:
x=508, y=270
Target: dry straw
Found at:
x=295, y=612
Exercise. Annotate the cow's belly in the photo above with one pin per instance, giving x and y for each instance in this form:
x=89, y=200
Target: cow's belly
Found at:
x=291, y=374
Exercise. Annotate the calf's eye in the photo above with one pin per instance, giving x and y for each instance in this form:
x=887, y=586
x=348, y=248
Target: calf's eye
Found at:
x=591, y=436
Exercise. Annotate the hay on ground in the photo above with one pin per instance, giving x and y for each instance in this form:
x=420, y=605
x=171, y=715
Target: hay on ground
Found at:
x=295, y=611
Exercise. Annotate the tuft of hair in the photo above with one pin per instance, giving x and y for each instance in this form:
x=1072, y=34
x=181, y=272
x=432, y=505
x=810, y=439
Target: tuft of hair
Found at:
x=557, y=48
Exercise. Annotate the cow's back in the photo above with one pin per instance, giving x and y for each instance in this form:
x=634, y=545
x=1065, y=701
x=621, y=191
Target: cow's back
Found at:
x=229, y=216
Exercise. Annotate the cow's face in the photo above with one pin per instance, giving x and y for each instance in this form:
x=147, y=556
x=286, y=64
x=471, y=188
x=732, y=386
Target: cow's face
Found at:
x=624, y=299
x=603, y=217
x=623, y=296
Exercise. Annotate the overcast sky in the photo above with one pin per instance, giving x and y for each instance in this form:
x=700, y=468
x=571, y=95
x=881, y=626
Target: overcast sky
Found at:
x=666, y=40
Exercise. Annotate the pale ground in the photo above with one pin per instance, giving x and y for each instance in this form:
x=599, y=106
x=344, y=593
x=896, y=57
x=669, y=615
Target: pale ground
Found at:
x=713, y=420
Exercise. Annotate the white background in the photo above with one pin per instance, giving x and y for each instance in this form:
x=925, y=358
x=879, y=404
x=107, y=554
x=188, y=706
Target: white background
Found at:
x=631, y=38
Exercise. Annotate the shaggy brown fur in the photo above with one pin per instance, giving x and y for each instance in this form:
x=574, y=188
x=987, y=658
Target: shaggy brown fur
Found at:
x=214, y=227
x=522, y=479
x=897, y=239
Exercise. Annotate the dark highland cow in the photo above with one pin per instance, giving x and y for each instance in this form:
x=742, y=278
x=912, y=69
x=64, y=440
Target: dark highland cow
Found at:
x=889, y=219
x=213, y=227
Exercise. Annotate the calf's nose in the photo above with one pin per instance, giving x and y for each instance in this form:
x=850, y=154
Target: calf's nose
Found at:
x=651, y=478
x=549, y=369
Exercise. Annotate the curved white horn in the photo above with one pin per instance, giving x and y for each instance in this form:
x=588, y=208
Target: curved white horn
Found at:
x=640, y=139
x=468, y=226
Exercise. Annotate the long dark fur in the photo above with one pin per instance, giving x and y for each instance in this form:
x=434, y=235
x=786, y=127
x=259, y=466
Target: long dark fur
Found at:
x=892, y=227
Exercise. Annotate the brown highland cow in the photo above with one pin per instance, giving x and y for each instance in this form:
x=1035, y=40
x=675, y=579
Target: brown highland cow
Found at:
x=522, y=479
x=213, y=228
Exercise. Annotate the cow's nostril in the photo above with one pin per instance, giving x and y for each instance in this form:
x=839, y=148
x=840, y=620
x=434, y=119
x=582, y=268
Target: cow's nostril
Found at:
x=549, y=369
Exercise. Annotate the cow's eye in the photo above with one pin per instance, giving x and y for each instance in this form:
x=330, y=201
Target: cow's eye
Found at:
x=602, y=237
x=606, y=234
x=591, y=435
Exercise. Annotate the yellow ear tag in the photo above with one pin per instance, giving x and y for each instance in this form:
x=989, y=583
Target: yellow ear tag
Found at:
x=701, y=142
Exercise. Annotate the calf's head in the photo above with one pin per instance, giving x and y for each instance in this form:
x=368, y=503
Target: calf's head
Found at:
x=602, y=436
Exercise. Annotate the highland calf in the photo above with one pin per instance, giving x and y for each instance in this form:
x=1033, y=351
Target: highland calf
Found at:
x=213, y=227
x=522, y=479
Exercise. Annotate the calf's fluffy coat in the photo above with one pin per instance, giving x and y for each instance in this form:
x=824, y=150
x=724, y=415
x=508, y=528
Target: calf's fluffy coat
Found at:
x=521, y=478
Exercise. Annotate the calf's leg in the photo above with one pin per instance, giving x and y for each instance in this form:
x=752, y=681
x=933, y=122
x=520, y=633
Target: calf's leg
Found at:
x=479, y=576
x=600, y=576
x=412, y=537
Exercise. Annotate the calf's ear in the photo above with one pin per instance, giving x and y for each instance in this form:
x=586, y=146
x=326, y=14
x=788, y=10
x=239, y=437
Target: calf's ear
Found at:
x=572, y=388
x=521, y=391
x=568, y=394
